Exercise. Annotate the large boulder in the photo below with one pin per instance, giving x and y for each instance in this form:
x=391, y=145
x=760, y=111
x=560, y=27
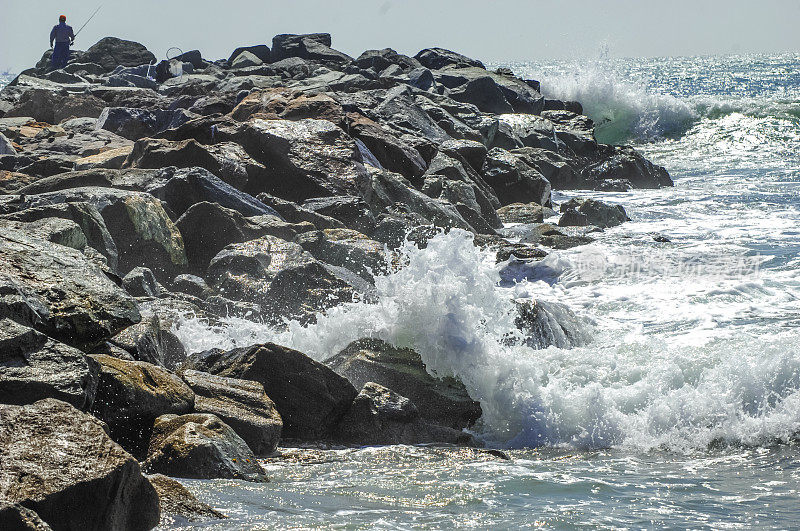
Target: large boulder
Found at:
x=597, y=213
x=439, y=58
x=188, y=186
x=60, y=463
x=294, y=213
x=200, y=446
x=58, y=291
x=178, y=504
x=380, y=416
x=34, y=367
x=513, y=180
x=315, y=46
x=382, y=189
x=352, y=211
x=132, y=394
x=285, y=280
x=444, y=401
x=52, y=107
x=392, y=153
x=261, y=51
x=304, y=158
x=626, y=163
x=346, y=248
x=309, y=396
x=380, y=60
x=491, y=92
x=111, y=52
x=142, y=230
x=242, y=404
x=207, y=228
x=226, y=160
x=134, y=124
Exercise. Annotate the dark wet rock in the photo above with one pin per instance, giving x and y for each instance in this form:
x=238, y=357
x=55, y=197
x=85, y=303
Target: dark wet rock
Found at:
x=175, y=500
x=207, y=228
x=132, y=394
x=294, y=213
x=444, y=401
x=346, y=248
x=660, y=238
x=20, y=518
x=315, y=46
x=474, y=153
x=382, y=189
x=309, y=396
x=546, y=324
x=200, y=446
x=134, y=123
x=279, y=276
x=57, y=291
x=261, y=51
x=112, y=52
x=140, y=282
x=597, y=213
x=392, y=153
x=550, y=236
x=186, y=187
x=614, y=185
x=191, y=285
x=519, y=130
x=242, y=404
x=34, y=367
x=628, y=164
x=55, y=230
x=46, y=167
x=352, y=211
x=305, y=158
x=152, y=339
x=193, y=57
x=439, y=58
x=380, y=416
x=513, y=180
x=398, y=111
x=491, y=92
x=557, y=169
x=60, y=463
x=572, y=218
x=380, y=60
x=522, y=213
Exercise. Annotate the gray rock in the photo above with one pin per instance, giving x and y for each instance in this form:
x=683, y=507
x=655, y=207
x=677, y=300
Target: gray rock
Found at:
x=391, y=152
x=132, y=394
x=352, y=211
x=294, y=213
x=112, y=52
x=134, y=123
x=279, y=276
x=5, y=146
x=57, y=291
x=207, y=228
x=513, y=180
x=380, y=60
x=443, y=401
x=572, y=218
x=260, y=51
x=60, y=463
x=597, y=213
x=191, y=285
x=242, y=404
x=200, y=446
x=314, y=46
x=626, y=163
x=546, y=324
x=34, y=367
x=309, y=396
x=522, y=213
x=380, y=416
x=346, y=248
x=141, y=282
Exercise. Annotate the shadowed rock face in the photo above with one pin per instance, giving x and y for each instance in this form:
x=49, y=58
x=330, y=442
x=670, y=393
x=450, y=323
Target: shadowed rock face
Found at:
x=34, y=367
x=60, y=463
x=200, y=446
x=309, y=396
x=112, y=52
x=176, y=501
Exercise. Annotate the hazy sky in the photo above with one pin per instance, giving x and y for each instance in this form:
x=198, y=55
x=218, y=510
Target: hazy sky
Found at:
x=492, y=30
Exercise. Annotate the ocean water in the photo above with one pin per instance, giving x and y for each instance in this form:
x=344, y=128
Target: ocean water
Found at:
x=683, y=408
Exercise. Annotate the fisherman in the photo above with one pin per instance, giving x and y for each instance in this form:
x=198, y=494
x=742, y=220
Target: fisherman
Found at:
x=63, y=37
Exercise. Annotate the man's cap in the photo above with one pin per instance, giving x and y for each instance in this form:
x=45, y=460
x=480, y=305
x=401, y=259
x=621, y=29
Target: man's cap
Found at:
x=62, y=17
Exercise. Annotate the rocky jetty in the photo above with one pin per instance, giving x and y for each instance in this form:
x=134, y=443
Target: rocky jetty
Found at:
x=272, y=185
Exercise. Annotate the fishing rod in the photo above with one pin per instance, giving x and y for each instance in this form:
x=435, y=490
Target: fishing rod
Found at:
x=90, y=19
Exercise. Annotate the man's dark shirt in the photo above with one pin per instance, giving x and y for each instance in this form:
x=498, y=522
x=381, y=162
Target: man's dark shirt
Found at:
x=61, y=33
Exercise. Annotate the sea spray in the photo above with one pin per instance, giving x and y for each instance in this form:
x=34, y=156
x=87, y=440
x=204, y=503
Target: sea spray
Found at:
x=627, y=388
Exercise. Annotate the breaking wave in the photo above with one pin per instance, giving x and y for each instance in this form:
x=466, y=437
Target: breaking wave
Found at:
x=622, y=389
